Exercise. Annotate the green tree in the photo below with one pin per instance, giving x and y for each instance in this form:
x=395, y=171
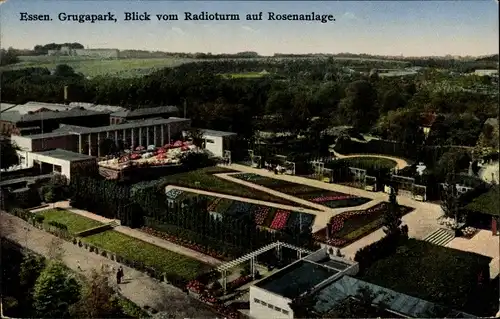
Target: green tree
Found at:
x=393, y=225
x=197, y=137
x=452, y=163
x=450, y=201
x=64, y=70
x=30, y=269
x=8, y=56
x=8, y=155
x=359, y=106
x=55, y=291
x=362, y=306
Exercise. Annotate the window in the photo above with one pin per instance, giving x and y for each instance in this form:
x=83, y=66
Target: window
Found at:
x=263, y=303
x=57, y=168
x=209, y=141
x=256, y=300
x=284, y=311
x=278, y=309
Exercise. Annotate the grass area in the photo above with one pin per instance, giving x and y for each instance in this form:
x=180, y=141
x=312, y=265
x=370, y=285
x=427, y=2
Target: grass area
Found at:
x=204, y=179
x=313, y=194
x=347, y=227
x=486, y=203
x=95, y=67
x=438, y=274
x=74, y=222
x=369, y=162
x=151, y=255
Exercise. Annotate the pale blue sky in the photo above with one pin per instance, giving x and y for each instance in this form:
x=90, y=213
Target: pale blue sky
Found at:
x=388, y=28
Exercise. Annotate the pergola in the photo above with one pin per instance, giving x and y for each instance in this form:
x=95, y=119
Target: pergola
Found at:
x=251, y=256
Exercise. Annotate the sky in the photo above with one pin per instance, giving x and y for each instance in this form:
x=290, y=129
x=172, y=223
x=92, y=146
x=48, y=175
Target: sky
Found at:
x=409, y=28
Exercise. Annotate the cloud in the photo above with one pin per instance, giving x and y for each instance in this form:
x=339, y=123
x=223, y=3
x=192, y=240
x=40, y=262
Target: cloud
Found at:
x=349, y=16
x=178, y=30
x=249, y=29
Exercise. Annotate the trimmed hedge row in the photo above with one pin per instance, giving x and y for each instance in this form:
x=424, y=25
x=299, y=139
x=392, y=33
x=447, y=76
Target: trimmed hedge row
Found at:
x=93, y=231
x=383, y=248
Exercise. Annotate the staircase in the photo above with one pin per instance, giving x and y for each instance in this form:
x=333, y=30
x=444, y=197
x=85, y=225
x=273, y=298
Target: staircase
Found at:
x=440, y=237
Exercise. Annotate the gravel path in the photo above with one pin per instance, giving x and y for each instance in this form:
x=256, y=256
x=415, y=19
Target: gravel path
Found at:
x=137, y=287
x=401, y=163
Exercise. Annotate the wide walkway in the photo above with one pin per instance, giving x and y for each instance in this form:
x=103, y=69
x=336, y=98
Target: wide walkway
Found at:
x=421, y=222
x=141, y=235
x=139, y=288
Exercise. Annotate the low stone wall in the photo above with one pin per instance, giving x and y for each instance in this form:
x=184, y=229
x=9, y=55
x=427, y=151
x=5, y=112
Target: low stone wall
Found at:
x=93, y=231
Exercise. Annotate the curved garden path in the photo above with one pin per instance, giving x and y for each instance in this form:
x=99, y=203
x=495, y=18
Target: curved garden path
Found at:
x=401, y=163
x=138, y=287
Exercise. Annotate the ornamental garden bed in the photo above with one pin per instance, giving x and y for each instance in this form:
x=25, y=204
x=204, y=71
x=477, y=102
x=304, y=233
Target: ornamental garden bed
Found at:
x=74, y=222
x=265, y=216
x=205, y=179
x=347, y=227
x=151, y=255
x=313, y=194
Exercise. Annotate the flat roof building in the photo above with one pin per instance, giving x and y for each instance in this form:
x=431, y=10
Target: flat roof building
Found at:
x=216, y=142
x=143, y=113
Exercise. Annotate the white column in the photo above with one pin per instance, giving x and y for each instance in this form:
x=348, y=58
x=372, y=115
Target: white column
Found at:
x=147, y=136
x=124, y=137
x=168, y=130
x=162, y=134
x=116, y=137
x=90, y=144
x=80, y=146
x=107, y=134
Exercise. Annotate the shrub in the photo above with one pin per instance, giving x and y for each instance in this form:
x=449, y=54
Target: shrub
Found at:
x=103, y=253
x=80, y=243
x=383, y=248
x=75, y=241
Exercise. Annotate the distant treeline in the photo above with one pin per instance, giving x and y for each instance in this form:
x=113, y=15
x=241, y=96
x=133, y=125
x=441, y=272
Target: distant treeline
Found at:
x=44, y=49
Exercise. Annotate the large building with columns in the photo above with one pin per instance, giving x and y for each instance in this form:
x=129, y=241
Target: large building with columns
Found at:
x=86, y=140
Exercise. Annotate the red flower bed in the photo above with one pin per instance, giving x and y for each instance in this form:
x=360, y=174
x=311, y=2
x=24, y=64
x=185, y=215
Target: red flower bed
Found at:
x=261, y=214
x=183, y=242
x=331, y=198
x=240, y=281
x=280, y=219
x=195, y=286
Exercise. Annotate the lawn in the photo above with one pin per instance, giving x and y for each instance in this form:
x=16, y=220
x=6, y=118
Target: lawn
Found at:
x=438, y=274
x=95, y=67
x=313, y=194
x=347, y=227
x=153, y=256
x=74, y=222
x=265, y=216
x=204, y=179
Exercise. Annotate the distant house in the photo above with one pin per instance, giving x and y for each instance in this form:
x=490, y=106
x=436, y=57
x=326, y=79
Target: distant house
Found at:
x=486, y=72
x=143, y=113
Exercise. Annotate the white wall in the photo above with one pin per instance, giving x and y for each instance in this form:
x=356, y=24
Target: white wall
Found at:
x=217, y=147
x=24, y=143
x=65, y=165
x=260, y=311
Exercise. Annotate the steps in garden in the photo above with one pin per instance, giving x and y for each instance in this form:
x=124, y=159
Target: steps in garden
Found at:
x=440, y=237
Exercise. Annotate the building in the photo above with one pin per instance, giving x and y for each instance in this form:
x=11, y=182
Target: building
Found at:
x=491, y=73
x=59, y=161
x=143, y=114
x=217, y=142
x=86, y=140
x=271, y=297
x=329, y=281
x=40, y=119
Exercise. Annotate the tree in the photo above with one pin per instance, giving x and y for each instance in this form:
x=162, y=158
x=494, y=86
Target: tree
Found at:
x=64, y=70
x=8, y=57
x=302, y=306
x=8, y=155
x=359, y=106
x=55, y=291
x=98, y=297
x=196, y=135
x=392, y=216
x=450, y=201
x=452, y=162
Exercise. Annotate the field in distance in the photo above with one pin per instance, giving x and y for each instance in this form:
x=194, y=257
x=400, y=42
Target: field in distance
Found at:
x=92, y=67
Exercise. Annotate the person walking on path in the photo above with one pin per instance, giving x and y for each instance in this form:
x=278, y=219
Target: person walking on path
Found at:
x=118, y=277
x=78, y=265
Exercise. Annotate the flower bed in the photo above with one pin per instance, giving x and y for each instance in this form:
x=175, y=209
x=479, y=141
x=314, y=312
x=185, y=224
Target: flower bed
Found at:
x=240, y=208
x=350, y=226
x=321, y=196
x=182, y=242
x=261, y=214
x=297, y=219
x=279, y=221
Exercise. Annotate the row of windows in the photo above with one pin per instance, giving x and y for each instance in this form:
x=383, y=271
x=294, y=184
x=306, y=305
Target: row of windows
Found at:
x=270, y=306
